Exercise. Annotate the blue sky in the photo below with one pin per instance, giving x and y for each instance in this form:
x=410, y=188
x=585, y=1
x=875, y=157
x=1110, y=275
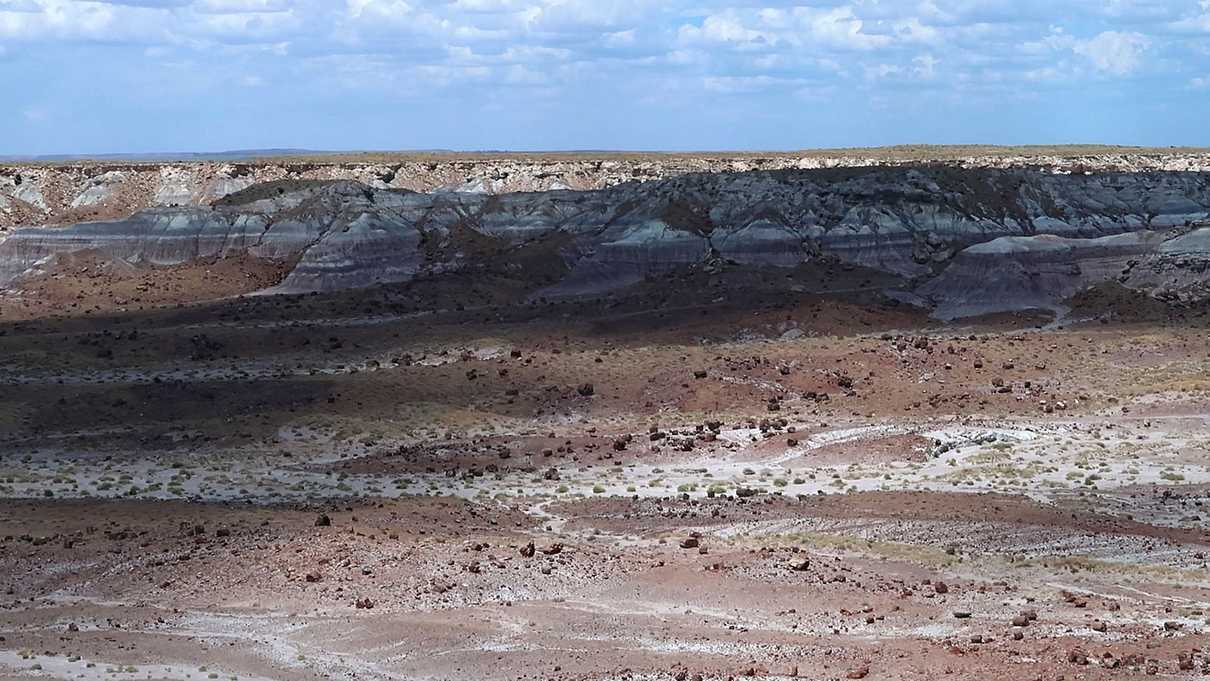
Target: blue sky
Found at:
x=204, y=75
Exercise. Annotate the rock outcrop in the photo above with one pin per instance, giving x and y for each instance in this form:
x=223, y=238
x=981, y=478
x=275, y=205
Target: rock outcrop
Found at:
x=40, y=194
x=1041, y=272
x=1031, y=272
x=972, y=240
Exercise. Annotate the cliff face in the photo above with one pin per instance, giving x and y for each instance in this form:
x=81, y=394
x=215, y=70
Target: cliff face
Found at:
x=1042, y=272
x=33, y=195
x=972, y=240
x=1036, y=272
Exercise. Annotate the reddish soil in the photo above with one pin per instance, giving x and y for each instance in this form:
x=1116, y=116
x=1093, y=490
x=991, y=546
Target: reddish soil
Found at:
x=348, y=486
x=84, y=284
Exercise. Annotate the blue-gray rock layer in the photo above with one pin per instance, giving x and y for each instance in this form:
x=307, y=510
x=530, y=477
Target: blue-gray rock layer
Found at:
x=941, y=227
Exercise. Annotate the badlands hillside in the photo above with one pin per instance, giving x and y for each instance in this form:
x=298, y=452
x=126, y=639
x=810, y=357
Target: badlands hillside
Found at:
x=954, y=237
x=33, y=193
x=897, y=414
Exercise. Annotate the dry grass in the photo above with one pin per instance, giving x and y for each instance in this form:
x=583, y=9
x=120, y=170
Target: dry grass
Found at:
x=1097, y=566
x=912, y=553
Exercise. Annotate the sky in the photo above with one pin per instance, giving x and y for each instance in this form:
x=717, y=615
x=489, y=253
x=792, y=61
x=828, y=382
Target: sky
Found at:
x=140, y=76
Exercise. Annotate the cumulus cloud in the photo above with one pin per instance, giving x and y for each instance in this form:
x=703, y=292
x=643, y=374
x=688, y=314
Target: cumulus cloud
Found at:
x=378, y=9
x=798, y=28
x=703, y=51
x=1116, y=53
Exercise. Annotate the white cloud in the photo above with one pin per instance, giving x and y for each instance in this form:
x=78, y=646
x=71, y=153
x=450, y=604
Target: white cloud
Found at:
x=1115, y=53
x=378, y=9
x=798, y=28
x=880, y=71
x=23, y=19
x=911, y=30
x=620, y=38
x=731, y=45
x=839, y=27
x=925, y=66
x=722, y=28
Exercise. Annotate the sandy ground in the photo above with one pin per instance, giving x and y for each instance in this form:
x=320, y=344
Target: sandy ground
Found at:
x=360, y=487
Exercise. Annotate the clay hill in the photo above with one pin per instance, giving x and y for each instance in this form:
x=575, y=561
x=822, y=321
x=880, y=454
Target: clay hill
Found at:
x=960, y=241
x=45, y=192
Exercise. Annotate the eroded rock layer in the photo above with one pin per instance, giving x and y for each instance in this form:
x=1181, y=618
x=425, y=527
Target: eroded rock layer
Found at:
x=37, y=194
x=971, y=240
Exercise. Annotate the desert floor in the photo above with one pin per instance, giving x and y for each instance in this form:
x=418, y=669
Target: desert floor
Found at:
x=752, y=485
